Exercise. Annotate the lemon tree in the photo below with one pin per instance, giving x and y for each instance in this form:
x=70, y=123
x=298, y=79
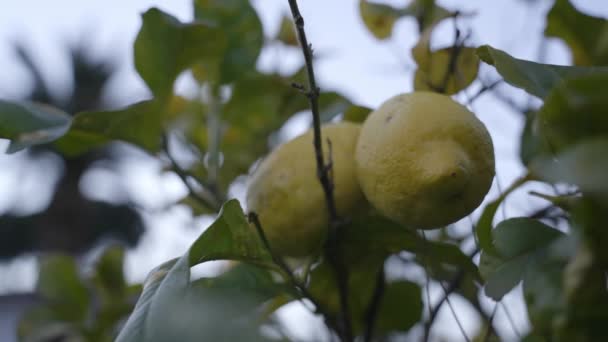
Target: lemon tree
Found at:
x=420, y=160
x=424, y=160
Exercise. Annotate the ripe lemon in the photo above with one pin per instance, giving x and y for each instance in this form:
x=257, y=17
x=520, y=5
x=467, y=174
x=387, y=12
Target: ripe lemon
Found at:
x=287, y=196
x=424, y=160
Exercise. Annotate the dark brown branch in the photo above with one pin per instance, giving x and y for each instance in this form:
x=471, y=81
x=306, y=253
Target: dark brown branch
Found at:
x=373, y=308
x=324, y=175
x=206, y=198
x=483, y=90
x=329, y=318
x=453, y=285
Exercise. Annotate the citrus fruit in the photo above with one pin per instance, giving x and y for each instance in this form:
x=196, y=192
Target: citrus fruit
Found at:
x=424, y=160
x=288, y=198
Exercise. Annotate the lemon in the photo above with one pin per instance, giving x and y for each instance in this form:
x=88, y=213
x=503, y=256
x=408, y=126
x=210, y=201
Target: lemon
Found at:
x=287, y=196
x=424, y=160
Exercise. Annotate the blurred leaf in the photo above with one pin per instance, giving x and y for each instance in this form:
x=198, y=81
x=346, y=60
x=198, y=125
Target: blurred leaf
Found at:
x=531, y=144
x=574, y=110
x=584, y=165
x=371, y=235
x=165, y=47
x=356, y=113
x=140, y=124
x=427, y=13
x=535, y=78
x=439, y=73
x=172, y=307
x=109, y=271
x=517, y=241
x=378, y=18
x=542, y=289
x=400, y=308
x=238, y=20
x=28, y=124
x=287, y=33
x=586, y=36
x=60, y=285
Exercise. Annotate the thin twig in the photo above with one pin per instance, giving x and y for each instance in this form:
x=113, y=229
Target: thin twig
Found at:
x=490, y=329
x=452, y=286
x=373, y=308
x=324, y=175
x=510, y=319
x=483, y=90
x=460, y=326
x=301, y=287
x=203, y=197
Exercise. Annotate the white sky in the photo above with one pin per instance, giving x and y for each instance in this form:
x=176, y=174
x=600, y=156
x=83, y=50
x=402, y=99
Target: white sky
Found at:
x=366, y=70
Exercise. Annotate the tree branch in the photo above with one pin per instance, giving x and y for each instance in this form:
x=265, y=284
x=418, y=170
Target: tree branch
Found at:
x=373, y=308
x=329, y=318
x=324, y=175
x=206, y=198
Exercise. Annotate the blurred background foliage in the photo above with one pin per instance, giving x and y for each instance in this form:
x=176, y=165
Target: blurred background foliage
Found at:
x=212, y=139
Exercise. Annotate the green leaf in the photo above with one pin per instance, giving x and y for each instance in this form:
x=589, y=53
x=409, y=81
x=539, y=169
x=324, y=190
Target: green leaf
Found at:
x=584, y=165
x=356, y=113
x=29, y=124
x=245, y=37
x=241, y=289
x=439, y=73
x=165, y=47
x=517, y=242
x=532, y=144
x=109, y=272
x=140, y=124
x=573, y=111
x=400, y=307
x=378, y=18
x=373, y=235
x=59, y=283
x=535, y=78
x=483, y=228
x=230, y=237
x=287, y=33
x=172, y=307
x=587, y=36
x=427, y=13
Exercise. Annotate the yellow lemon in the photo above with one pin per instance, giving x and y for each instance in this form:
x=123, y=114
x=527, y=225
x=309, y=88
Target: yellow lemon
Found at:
x=424, y=160
x=287, y=196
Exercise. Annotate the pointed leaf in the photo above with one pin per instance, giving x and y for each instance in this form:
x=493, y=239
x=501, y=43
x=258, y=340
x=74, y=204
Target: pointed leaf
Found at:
x=230, y=237
x=140, y=124
x=29, y=124
x=535, y=78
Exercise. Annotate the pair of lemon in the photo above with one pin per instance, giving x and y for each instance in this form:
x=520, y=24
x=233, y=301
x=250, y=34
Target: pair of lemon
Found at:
x=420, y=159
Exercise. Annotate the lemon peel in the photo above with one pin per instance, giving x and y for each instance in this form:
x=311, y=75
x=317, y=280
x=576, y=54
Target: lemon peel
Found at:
x=288, y=198
x=424, y=160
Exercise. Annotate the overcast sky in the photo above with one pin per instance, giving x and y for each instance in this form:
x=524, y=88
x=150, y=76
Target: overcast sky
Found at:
x=350, y=60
